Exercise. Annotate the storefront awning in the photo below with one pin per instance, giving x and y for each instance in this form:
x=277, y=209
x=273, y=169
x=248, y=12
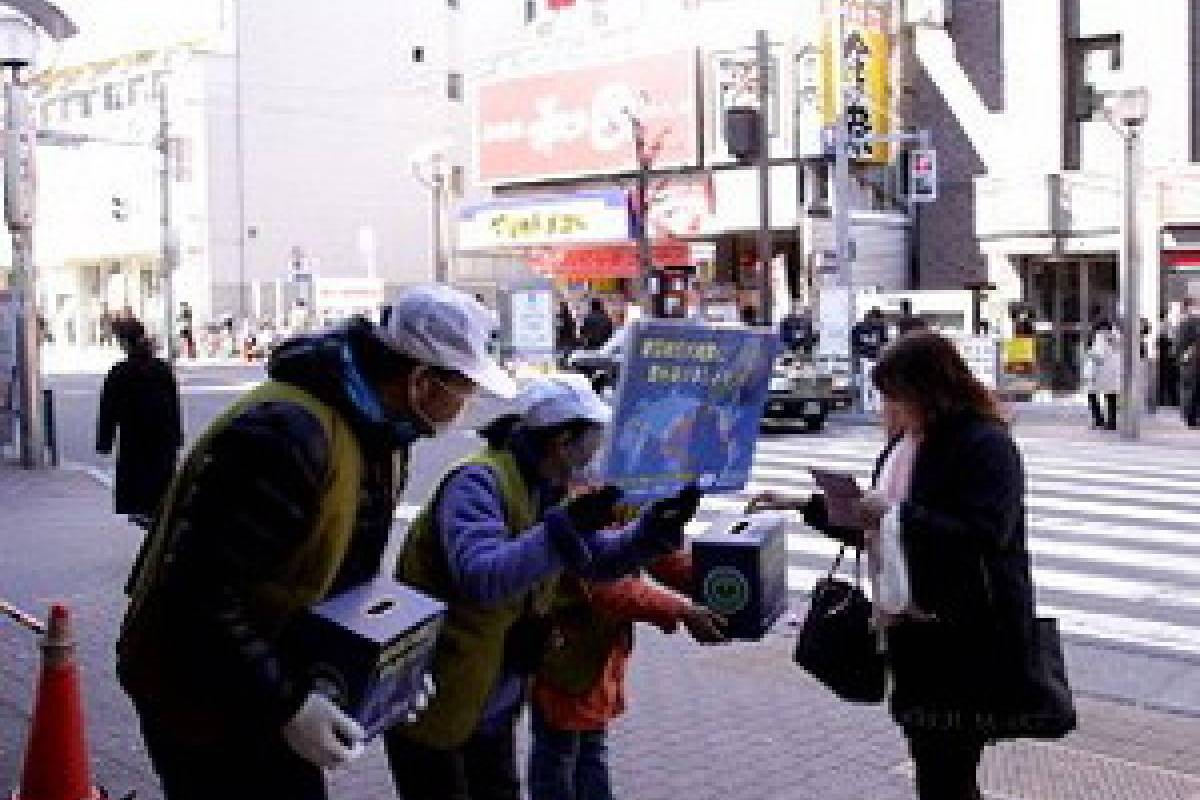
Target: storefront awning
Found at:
x=604, y=261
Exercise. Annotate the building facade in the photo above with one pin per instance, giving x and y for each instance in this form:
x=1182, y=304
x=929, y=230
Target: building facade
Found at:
x=299, y=139
x=556, y=110
x=1031, y=198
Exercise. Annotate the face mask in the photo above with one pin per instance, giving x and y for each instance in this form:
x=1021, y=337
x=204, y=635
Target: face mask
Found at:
x=440, y=427
x=583, y=460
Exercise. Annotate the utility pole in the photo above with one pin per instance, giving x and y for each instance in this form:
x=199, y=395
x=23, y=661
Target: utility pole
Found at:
x=168, y=250
x=841, y=184
x=438, y=187
x=764, y=178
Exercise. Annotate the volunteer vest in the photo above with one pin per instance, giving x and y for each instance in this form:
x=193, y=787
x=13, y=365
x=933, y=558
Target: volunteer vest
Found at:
x=585, y=639
x=310, y=572
x=470, y=648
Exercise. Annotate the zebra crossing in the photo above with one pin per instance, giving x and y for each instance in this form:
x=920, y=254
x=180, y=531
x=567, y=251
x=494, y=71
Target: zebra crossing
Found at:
x=1114, y=530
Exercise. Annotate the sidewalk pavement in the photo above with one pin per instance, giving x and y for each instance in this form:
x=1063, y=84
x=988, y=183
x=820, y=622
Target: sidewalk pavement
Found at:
x=736, y=721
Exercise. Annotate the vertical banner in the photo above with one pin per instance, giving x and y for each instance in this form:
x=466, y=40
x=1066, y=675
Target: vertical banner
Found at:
x=863, y=59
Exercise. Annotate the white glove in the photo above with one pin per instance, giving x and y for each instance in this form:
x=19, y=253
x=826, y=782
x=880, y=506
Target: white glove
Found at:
x=322, y=733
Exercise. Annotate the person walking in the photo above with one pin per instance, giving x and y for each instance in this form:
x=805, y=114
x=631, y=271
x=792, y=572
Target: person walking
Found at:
x=288, y=498
x=187, y=330
x=1102, y=374
x=597, y=326
x=1188, y=349
x=945, y=530
x=140, y=402
x=566, y=334
x=492, y=544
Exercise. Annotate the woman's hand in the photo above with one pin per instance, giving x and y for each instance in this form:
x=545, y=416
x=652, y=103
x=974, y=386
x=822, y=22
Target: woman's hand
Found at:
x=869, y=510
x=775, y=501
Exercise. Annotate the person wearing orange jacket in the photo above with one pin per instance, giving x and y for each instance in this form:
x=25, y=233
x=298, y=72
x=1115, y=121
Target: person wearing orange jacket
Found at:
x=580, y=687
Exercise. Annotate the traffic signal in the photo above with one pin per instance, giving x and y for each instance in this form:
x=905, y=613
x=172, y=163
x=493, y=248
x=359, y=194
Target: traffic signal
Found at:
x=922, y=176
x=119, y=211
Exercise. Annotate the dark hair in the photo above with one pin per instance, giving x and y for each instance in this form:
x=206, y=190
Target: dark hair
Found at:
x=499, y=431
x=926, y=369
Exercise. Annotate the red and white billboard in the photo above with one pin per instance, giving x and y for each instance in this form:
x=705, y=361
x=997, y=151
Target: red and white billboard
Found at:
x=577, y=121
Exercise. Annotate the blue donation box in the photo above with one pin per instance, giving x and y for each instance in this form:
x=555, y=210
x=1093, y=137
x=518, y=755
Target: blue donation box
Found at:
x=374, y=644
x=688, y=408
x=741, y=573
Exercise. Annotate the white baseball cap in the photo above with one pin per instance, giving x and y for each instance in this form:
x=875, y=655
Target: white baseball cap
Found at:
x=446, y=328
x=553, y=399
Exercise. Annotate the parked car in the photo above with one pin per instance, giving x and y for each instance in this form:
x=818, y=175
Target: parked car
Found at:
x=798, y=394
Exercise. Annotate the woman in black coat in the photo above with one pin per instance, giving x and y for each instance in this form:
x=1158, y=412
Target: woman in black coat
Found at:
x=959, y=646
x=140, y=398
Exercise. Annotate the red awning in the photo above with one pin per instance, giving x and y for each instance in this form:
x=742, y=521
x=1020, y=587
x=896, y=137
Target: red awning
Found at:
x=604, y=261
x=1181, y=260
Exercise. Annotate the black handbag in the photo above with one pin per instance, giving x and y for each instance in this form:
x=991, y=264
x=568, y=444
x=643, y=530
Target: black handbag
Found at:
x=837, y=644
x=1041, y=705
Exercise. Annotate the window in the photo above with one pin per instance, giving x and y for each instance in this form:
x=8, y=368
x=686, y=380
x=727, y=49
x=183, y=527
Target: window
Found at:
x=1081, y=54
x=452, y=4
x=530, y=11
x=85, y=104
x=181, y=148
x=454, y=86
x=418, y=55
x=112, y=98
x=137, y=88
x=458, y=180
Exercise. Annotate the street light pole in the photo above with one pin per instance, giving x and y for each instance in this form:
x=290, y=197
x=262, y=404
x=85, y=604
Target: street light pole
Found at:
x=19, y=197
x=1131, y=427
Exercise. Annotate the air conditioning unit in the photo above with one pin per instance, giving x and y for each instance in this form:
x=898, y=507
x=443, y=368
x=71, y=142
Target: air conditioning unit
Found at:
x=928, y=13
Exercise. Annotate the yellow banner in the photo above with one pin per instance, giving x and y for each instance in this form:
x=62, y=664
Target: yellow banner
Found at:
x=864, y=59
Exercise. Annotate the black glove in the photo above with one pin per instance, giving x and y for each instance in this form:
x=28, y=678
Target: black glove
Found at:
x=665, y=520
x=595, y=510
x=816, y=516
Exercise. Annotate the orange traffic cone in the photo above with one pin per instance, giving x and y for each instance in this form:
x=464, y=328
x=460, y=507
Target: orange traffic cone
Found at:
x=56, y=757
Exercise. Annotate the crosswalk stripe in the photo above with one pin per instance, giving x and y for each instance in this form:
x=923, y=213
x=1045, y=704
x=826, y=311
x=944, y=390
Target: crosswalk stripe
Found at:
x=817, y=545
x=802, y=579
x=1039, y=485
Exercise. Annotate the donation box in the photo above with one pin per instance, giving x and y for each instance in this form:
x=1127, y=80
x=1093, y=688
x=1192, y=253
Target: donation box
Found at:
x=741, y=573
x=374, y=643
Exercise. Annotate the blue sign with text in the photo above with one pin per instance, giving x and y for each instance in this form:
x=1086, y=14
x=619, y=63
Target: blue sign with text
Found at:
x=689, y=407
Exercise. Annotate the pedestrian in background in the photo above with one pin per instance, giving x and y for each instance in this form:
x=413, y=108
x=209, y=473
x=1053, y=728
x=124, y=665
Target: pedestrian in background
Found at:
x=287, y=499
x=566, y=335
x=1168, y=364
x=187, y=330
x=1102, y=374
x=597, y=326
x=492, y=544
x=1188, y=349
x=139, y=413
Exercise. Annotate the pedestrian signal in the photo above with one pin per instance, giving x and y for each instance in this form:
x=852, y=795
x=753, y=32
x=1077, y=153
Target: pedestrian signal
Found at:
x=922, y=176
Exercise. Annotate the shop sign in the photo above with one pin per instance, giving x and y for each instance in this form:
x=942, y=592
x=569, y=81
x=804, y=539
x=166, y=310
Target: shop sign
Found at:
x=577, y=121
x=863, y=59
x=532, y=320
x=607, y=261
x=586, y=217
x=680, y=207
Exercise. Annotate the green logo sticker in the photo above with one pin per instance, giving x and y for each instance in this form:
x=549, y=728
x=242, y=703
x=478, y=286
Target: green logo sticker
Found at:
x=726, y=590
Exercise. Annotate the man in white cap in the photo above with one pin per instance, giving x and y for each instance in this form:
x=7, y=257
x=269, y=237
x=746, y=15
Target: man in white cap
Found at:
x=286, y=499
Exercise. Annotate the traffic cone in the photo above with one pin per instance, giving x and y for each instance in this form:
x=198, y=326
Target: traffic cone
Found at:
x=56, y=757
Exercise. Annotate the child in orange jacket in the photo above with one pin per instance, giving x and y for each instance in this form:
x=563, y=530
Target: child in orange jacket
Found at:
x=581, y=686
